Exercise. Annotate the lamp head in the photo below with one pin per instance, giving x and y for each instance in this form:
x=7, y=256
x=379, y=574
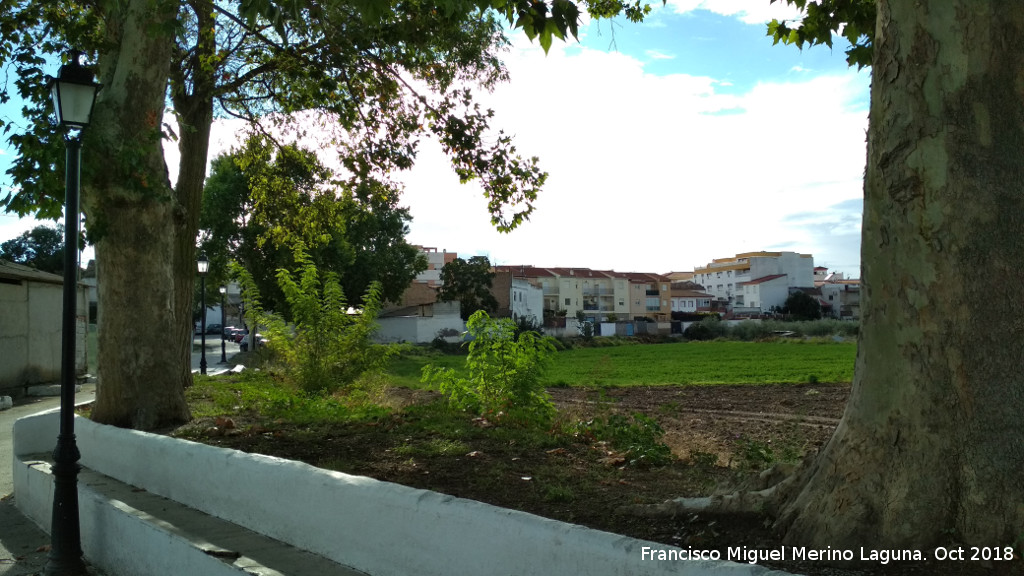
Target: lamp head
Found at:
x=74, y=93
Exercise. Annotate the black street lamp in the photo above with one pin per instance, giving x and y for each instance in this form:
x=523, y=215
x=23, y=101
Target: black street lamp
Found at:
x=74, y=93
x=203, y=265
x=223, y=322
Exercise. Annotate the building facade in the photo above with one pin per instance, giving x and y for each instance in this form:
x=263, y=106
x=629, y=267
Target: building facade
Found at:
x=435, y=262
x=727, y=279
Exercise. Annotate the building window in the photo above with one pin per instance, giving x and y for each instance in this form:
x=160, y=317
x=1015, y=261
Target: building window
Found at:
x=568, y=301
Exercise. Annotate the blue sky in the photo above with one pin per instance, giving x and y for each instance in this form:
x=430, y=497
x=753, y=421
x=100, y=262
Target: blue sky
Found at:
x=686, y=138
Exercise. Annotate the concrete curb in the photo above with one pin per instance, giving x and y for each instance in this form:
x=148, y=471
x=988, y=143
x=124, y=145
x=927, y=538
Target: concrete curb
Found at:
x=375, y=527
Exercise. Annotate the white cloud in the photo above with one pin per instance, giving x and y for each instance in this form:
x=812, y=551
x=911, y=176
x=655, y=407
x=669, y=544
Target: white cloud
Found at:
x=748, y=11
x=653, y=172
x=659, y=55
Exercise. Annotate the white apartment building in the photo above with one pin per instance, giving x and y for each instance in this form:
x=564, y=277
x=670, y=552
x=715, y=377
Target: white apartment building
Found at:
x=743, y=280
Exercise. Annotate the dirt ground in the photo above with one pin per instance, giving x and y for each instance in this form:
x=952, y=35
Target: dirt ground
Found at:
x=722, y=436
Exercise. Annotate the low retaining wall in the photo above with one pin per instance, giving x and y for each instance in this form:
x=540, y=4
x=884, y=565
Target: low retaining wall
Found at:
x=380, y=528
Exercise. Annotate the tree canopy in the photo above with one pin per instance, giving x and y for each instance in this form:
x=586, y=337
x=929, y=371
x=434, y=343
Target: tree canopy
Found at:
x=261, y=202
x=369, y=79
x=802, y=306
x=41, y=248
x=468, y=281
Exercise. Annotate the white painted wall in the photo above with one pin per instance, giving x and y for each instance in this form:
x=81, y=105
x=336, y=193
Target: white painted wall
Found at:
x=764, y=295
x=420, y=329
x=527, y=300
x=31, y=315
x=380, y=528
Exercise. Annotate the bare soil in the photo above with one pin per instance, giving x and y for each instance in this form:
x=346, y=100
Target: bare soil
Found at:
x=721, y=435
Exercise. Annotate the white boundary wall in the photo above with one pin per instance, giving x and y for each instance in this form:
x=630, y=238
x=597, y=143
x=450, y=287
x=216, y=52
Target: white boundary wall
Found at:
x=381, y=528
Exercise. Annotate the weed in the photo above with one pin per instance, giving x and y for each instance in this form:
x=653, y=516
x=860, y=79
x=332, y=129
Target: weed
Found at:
x=753, y=454
x=703, y=459
x=559, y=493
x=433, y=447
x=639, y=436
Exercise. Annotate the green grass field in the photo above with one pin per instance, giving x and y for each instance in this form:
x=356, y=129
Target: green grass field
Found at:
x=683, y=363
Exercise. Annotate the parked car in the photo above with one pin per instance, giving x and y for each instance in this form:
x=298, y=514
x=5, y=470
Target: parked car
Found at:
x=214, y=328
x=260, y=341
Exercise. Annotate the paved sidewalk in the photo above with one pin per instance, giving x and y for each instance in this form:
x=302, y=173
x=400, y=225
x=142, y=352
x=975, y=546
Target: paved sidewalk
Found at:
x=23, y=546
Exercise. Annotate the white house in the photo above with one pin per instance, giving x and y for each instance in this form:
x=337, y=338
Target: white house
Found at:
x=724, y=277
x=764, y=293
x=526, y=300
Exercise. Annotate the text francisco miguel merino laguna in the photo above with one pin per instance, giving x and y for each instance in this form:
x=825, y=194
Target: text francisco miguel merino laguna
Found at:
x=753, y=556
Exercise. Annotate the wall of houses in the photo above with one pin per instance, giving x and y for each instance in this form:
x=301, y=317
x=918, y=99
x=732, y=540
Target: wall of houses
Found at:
x=421, y=328
x=31, y=314
x=527, y=300
x=650, y=298
x=844, y=298
x=764, y=295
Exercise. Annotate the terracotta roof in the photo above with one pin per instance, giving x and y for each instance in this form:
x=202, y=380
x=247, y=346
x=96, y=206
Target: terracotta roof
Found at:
x=763, y=279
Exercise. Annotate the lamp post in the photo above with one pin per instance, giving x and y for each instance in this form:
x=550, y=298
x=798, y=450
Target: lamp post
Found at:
x=223, y=321
x=74, y=93
x=203, y=265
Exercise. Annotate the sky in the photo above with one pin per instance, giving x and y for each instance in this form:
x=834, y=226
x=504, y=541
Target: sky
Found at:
x=669, y=143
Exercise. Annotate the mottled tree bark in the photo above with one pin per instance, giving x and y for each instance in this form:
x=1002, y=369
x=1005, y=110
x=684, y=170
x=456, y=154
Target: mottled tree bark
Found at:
x=931, y=447
x=140, y=223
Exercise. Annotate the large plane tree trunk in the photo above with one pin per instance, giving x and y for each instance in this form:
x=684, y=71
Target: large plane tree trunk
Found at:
x=143, y=357
x=931, y=447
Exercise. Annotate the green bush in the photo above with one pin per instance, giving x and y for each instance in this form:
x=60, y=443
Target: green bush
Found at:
x=327, y=348
x=504, y=370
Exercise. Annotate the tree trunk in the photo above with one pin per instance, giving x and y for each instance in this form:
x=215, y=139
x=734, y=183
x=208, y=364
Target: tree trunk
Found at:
x=930, y=450
x=129, y=204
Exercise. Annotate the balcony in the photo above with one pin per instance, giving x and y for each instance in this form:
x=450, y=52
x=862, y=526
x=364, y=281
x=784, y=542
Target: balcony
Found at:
x=598, y=291
x=653, y=293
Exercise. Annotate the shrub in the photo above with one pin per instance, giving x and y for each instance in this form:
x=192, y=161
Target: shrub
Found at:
x=326, y=349
x=504, y=370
